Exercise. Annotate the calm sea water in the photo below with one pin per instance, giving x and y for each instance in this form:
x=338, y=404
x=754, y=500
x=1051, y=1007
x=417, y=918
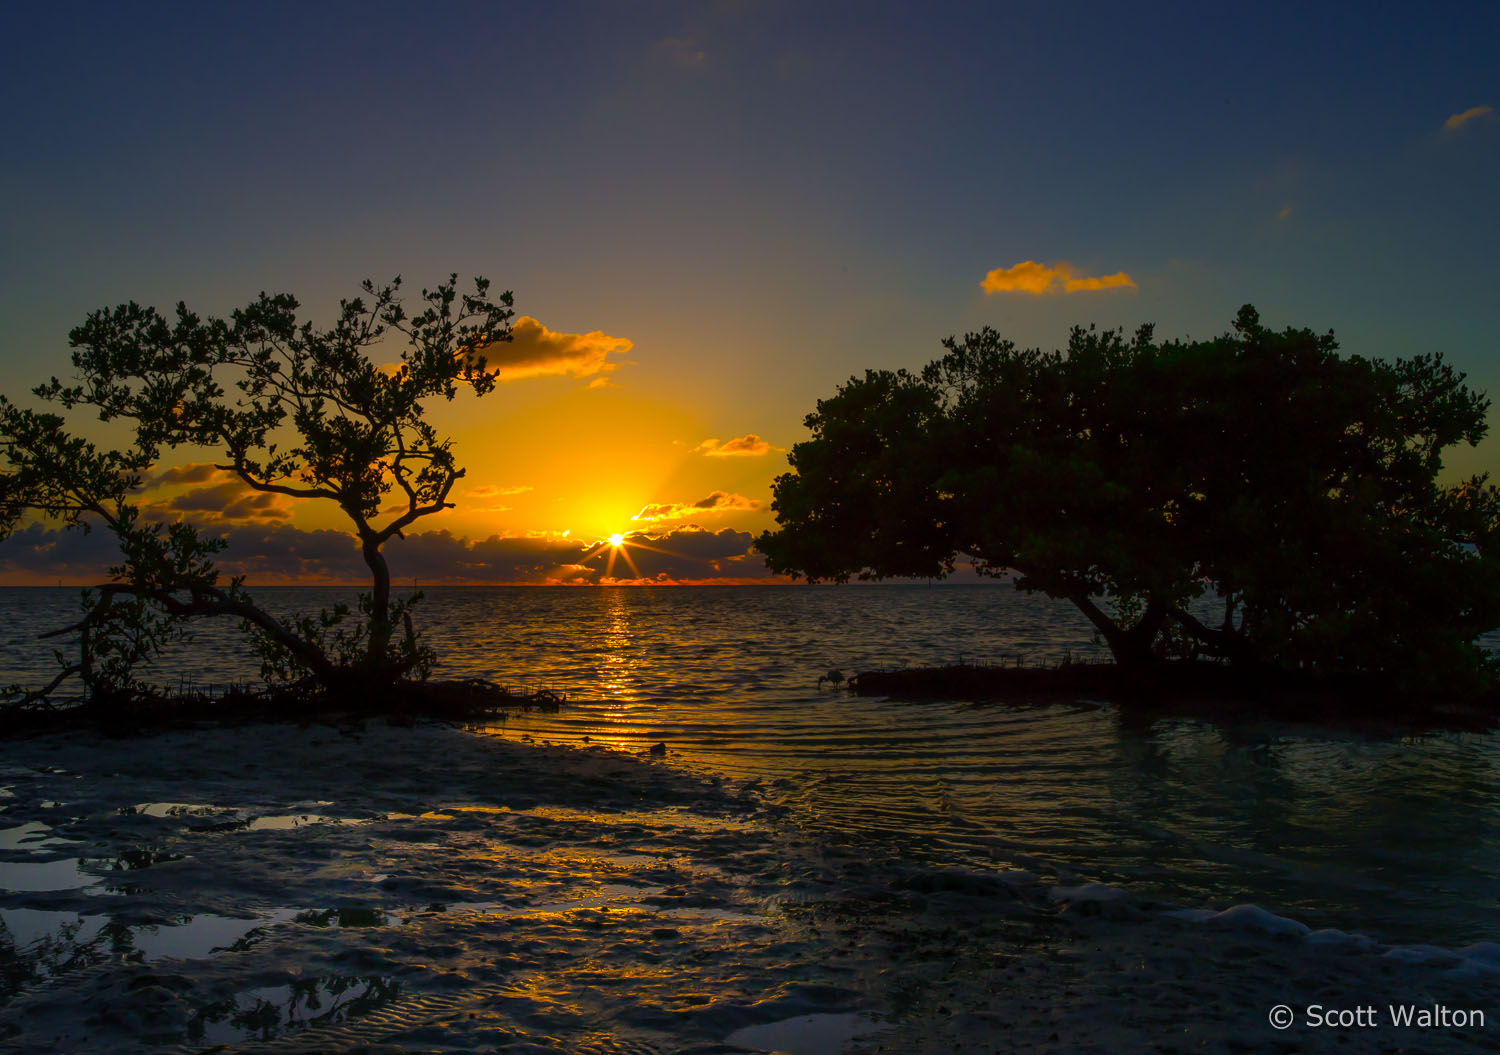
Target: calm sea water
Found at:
x=1398, y=836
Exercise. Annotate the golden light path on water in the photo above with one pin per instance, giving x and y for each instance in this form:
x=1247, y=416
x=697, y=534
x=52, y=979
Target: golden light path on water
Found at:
x=1399, y=835
x=1332, y=827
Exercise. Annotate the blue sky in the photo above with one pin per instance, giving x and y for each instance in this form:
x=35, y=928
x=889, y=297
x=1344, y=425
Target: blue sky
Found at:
x=762, y=198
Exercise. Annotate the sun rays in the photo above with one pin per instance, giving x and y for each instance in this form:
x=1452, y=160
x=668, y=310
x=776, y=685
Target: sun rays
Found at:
x=619, y=545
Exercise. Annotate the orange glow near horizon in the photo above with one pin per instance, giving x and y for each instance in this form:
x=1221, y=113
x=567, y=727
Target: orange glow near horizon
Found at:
x=532, y=454
x=617, y=548
x=546, y=459
x=589, y=458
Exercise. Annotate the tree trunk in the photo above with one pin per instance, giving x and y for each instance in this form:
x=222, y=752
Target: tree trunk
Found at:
x=1130, y=647
x=376, y=656
x=1225, y=643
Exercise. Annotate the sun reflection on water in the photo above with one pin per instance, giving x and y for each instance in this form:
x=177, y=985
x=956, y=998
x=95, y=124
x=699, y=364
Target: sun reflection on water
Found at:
x=618, y=658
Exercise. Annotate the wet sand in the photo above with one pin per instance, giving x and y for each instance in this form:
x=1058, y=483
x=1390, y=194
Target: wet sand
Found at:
x=428, y=889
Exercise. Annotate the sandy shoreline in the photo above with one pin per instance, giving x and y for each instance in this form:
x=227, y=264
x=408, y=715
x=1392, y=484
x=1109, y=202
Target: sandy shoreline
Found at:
x=426, y=889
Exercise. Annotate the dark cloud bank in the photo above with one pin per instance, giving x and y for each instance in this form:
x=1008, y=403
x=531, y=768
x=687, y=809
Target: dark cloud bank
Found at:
x=279, y=553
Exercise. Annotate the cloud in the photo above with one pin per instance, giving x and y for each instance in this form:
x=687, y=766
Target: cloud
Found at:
x=1026, y=277
x=1088, y=285
x=440, y=556
x=682, y=555
x=190, y=473
x=747, y=446
x=679, y=51
x=227, y=501
x=486, y=495
x=1473, y=113
x=491, y=491
x=1057, y=277
x=535, y=351
x=718, y=502
x=38, y=555
x=271, y=554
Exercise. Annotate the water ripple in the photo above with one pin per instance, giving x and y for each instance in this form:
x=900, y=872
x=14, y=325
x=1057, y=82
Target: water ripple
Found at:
x=1401, y=837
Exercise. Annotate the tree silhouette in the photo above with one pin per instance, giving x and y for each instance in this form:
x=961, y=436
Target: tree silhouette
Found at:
x=294, y=410
x=1292, y=492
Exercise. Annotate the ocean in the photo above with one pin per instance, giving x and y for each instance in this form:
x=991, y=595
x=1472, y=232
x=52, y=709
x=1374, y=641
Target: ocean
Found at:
x=1368, y=829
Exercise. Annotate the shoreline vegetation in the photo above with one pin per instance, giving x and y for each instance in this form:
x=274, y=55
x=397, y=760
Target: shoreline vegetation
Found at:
x=1254, y=517
x=1187, y=688
x=318, y=414
x=1257, y=499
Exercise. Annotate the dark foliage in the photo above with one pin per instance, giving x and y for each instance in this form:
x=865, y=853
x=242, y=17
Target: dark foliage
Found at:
x=1292, y=492
x=294, y=410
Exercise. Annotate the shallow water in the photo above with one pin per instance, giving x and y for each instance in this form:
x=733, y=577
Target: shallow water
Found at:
x=1395, y=835
x=457, y=889
x=450, y=891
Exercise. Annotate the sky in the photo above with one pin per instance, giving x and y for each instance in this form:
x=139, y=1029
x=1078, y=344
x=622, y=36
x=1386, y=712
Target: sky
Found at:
x=712, y=214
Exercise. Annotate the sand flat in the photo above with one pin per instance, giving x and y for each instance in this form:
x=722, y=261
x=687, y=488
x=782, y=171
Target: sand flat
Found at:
x=431, y=889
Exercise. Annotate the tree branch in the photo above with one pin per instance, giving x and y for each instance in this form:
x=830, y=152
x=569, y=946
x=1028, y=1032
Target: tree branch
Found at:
x=281, y=489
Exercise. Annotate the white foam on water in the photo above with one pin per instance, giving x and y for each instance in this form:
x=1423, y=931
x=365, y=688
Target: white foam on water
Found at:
x=1480, y=960
x=1434, y=954
x=1253, y=917
x=807, y=1034
x=1333, y=936
x=1484, y=952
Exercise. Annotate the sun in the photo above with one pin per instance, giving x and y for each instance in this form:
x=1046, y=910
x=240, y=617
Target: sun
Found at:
x=617, y=540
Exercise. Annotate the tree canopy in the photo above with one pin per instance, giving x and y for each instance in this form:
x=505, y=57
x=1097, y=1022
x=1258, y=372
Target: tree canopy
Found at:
x=334, y=413
x=1256, y=497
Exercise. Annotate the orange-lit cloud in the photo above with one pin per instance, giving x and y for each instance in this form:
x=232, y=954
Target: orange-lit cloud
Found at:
x=679, y=51
x=485, y=495
x=535, y=351
x=718, y=502
x=190, y=473
x=1473, y=113
x=274, y=553
x=491, y=491
x=686, y=554
x=747, y=446
x=1057, y=277
x=224, y=502
x=1087, y=285
x=224, y=499
x=271, y=554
